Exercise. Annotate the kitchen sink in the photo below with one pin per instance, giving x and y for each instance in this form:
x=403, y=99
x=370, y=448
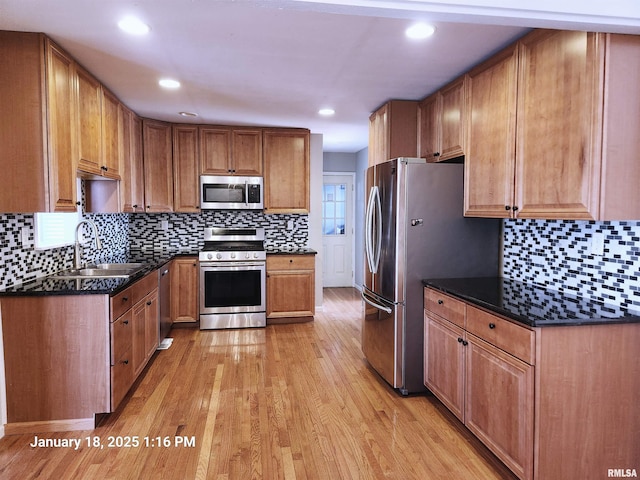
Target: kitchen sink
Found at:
x=101, y=270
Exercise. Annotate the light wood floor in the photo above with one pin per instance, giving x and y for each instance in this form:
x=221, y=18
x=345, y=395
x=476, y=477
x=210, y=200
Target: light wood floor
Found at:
x=286, y=402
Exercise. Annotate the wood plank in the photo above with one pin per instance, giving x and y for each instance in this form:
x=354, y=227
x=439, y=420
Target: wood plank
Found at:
x=286, y=401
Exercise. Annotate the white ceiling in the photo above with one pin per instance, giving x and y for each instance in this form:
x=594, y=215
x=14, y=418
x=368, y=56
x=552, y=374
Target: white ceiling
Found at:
x=276, y=62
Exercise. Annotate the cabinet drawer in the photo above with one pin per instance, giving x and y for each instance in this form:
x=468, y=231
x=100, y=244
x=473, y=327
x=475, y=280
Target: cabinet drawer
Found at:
x=290, y=262
x=120, y=303
x=514, y=339
x=142, y=287
x=121, y=337
x=445, y=306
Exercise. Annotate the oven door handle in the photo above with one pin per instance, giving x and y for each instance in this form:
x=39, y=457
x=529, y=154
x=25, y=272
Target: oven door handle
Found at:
x=231, y=264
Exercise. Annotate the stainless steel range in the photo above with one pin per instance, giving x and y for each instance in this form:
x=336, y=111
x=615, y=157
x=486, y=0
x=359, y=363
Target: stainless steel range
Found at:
x=232, y=278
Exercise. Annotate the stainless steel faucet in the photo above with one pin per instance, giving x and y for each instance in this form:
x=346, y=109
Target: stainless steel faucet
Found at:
x=77, y=253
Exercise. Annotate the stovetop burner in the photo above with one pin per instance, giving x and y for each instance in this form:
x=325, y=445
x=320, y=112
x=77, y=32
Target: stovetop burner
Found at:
x=233, y=244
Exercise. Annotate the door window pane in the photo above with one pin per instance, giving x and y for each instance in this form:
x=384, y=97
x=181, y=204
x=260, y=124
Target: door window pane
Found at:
x=333, y=208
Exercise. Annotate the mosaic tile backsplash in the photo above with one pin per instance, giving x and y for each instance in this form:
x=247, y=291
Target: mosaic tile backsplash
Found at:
x=555, y=254
x=138, y=232
x=597, y=260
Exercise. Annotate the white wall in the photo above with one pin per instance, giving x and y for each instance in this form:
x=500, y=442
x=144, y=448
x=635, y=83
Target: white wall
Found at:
x=315, y=215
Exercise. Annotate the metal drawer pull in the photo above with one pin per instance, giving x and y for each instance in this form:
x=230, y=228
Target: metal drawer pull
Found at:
x=492, y=325
x=440, y=302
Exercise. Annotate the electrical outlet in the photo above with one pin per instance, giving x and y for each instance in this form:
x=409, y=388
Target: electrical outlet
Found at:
x=164, y=224
x=24, y=236
x=597, y=244
x=290, y=225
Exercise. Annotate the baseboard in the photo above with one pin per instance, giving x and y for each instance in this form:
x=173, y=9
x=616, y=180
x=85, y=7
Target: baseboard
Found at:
x=21, y=428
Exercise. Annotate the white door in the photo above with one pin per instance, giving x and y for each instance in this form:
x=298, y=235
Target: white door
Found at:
x=337, y=230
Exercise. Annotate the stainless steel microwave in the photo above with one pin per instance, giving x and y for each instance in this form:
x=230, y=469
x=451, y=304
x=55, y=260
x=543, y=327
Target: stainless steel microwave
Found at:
x=221, y=192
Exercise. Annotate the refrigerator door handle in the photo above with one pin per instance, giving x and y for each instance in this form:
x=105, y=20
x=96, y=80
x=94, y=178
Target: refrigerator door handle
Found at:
x=368, y=236
x=379, y=306
x=378, y=223
x=373, y=239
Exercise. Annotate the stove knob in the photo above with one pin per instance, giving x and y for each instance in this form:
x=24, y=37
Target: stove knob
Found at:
x=209, y=256
x=247, y=255
x=218, y=256
x=233, y=255
x=255, y=255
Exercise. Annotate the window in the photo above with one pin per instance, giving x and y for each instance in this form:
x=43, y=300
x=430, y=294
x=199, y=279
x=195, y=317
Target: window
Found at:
x=333, y=208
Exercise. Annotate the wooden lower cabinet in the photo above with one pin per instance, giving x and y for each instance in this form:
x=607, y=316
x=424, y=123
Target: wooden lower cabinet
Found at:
x=68, y=358
x=499, y=403
x=184, y=290
x=290, y=288
x=550, y=402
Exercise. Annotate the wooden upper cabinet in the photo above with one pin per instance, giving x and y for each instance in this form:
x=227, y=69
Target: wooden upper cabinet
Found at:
x=575, y=144
x=89, y=122
x=230, y=151
x=558, y=123
x=393, y=131
x=37, y=127
x=442, y=123
x=215, y=150
x=429, y=127
x=112, y=114
x=132, y=183
x=186, y=196
x=246, y=151
x=61, y=134
x=490, y=157
x=158, y=166
x=286, y=170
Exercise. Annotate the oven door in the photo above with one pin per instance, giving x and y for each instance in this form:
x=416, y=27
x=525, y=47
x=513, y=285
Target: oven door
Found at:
x=232, y=294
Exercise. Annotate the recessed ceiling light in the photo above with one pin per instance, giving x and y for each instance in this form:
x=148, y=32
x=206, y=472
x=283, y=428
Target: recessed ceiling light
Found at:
x=134, y=26
x=419, y=31
x=169, y=83
x=188, y=114
x=326, y=112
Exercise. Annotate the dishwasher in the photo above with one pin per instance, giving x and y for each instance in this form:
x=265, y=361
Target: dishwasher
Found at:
x=164, y=292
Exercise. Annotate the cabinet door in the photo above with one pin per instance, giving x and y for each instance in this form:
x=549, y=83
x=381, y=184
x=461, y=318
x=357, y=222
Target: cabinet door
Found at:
x=490, y=157
x=152, y=324
x=246, y=152
x=499, y=404
x=62, y=139
x=158, y=166
x=111, y=135
x=89, y=121
x=215, y=151
x=286, y=175
x=132, y=184
x=378, y=141
x=290, y=293
x=558, y=132
x=186, y=179
x=121, y=358
x=452, y=120
x=139, y=352
x=444, y=363
x=184, y=290
x=429, y=127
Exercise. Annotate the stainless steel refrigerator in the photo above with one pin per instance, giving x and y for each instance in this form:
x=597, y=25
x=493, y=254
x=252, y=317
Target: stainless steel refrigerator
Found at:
x=415, y=229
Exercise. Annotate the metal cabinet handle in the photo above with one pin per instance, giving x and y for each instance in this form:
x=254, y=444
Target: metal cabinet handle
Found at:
x=126, y=362
x=492, y=326
x=440, y=302
x=126, y=322
x=149, y=302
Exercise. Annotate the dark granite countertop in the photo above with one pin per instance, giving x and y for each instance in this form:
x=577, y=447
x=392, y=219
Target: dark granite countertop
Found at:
x=290, y=251
x=106, y=286
x=530, y=304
